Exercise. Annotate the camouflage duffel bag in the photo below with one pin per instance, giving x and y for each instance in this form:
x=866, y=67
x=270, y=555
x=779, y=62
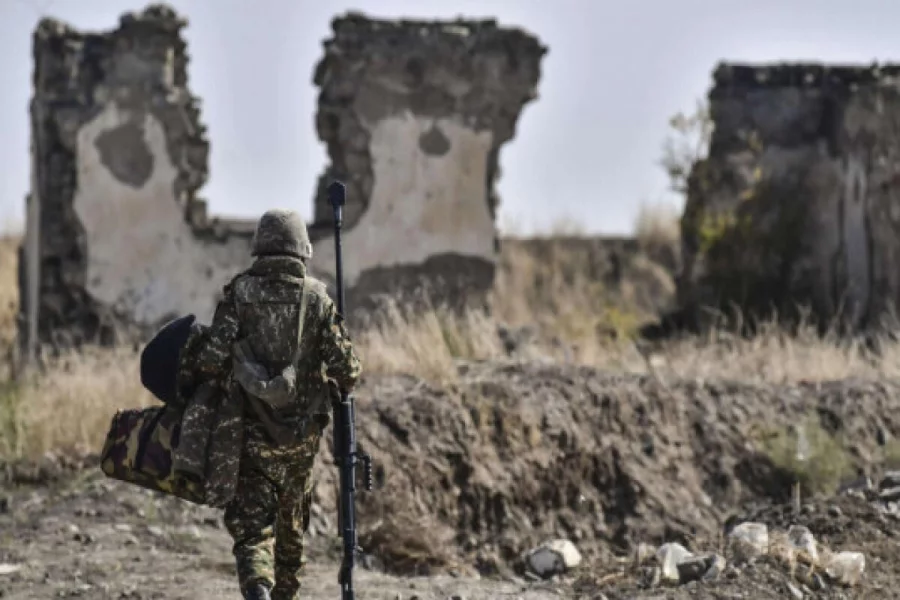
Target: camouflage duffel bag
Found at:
x=139, y=450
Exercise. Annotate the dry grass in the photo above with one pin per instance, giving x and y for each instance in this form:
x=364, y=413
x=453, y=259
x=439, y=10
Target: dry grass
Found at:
x=427, y=344
x=9, y=287
x=775, y=356
x=658, y=224
x=512, y=227
x=572, y=319
x=406, y=547
x=69, y=410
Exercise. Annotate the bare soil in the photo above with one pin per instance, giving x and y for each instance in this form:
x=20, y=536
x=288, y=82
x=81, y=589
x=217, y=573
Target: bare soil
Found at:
x=95, y=538
x=472, y=474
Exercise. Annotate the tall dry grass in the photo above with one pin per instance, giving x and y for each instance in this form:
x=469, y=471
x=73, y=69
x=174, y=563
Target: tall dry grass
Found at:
x=9, y=287
x=426, y=346
x=556, y=312
x=69, y=409
x=658, y=224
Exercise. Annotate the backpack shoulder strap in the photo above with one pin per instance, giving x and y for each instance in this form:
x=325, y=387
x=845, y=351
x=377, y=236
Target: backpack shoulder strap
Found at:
x=301, y=319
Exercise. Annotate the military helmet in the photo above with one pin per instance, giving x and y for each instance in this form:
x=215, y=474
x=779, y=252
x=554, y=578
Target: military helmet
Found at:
x=281, y=232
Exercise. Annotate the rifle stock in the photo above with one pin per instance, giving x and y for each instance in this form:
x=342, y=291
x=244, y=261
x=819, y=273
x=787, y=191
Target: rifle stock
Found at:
x=346, y=456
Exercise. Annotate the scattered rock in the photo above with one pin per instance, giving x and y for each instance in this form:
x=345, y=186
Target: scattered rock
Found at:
x=890, y=494
x=802, y=539
x=669, y=556
x=553, y=558
x=748, y=541
x=9, y=569
x=706, y=568
x=845, y=568
x=891, y=479
x=717, y=565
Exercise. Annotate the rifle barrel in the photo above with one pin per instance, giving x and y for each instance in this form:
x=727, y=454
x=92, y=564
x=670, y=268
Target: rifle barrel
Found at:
x=344, y=434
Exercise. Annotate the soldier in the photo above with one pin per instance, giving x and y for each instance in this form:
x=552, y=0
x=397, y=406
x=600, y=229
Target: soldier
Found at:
x=277, y=340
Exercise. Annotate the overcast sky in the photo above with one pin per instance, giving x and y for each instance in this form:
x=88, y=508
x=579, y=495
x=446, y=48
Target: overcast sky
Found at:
x=587, y=150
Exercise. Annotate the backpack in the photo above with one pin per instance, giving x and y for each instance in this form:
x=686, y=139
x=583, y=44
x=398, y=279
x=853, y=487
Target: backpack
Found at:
x=270, y=396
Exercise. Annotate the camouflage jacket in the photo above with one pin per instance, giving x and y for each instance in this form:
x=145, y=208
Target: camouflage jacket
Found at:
x=258, y=315
x=211, y=427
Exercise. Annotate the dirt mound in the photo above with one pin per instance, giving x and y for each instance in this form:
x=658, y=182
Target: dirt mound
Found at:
x=514, y=454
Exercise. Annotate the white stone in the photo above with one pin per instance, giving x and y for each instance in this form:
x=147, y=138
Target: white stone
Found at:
x=554, y=557
x=669, y=556
x=749, y=540
x=846, y=567
x=801, y=538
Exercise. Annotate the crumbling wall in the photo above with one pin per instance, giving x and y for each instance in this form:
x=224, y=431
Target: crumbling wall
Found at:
x=414, y=114
x=116, y=235
x=797, y=206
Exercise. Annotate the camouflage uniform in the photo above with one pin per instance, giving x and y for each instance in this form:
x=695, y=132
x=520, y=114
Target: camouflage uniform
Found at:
x=255, y=330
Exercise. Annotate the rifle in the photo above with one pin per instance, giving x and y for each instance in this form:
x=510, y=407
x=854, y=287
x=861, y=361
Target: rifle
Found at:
x=345, y=454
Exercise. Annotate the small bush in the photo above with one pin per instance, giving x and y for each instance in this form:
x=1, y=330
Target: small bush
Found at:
x=817, y=460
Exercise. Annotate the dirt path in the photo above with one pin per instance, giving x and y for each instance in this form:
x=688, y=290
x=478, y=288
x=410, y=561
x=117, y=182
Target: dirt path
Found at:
x=95, y=538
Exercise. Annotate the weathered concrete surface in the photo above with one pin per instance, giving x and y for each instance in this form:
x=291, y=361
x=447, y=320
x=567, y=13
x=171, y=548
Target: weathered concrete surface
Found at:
x=797, y=203
x=414, y=114
x=119, y=153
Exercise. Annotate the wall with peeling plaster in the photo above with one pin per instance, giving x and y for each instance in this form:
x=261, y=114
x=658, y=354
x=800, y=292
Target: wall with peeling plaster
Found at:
x=413, y=114
x=796, y=207
x=423, y=203
x=118, y=239
x=144, y=258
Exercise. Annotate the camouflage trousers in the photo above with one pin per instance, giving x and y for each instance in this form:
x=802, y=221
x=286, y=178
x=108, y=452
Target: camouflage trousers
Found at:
x=269, y=514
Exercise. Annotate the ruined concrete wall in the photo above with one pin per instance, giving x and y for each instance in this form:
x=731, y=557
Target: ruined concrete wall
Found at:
x=798, y=203
x=116, y=234
x=414, y=115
